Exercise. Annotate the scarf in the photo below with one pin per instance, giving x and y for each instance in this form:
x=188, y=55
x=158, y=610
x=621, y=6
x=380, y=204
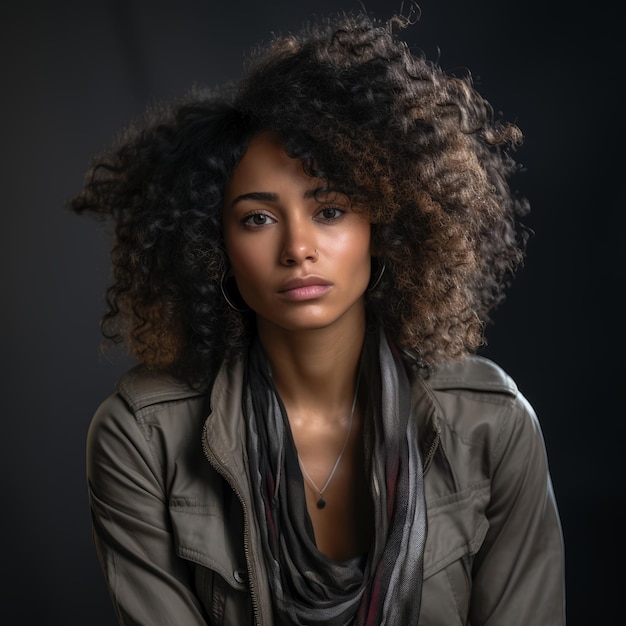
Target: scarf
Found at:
x=308, y=588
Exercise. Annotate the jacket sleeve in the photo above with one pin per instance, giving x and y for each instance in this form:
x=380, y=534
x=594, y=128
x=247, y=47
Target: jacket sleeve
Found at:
x=518, y=576
x=148, y=583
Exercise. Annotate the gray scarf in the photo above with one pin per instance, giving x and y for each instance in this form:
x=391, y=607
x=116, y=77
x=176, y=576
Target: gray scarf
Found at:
x=308, y=588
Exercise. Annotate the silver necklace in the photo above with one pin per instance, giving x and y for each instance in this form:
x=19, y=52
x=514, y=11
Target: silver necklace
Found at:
x=321, y=502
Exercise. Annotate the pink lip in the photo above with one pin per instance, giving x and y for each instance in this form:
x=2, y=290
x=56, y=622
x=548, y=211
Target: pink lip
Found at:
x=306, y=288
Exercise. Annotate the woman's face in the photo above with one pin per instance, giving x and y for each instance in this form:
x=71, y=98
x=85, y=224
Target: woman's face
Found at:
x=298, y=263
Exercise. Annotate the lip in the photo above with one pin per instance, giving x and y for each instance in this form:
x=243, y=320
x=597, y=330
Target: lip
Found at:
x=304, y=288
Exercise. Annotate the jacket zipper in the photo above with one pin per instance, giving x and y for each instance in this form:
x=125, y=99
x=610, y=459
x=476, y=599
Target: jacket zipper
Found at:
x=431, y=451
x=219, y=468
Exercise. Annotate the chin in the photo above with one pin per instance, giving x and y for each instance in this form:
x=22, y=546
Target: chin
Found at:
x=304, y=321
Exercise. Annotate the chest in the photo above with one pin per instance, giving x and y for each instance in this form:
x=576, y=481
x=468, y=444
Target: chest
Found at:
x=337, y=490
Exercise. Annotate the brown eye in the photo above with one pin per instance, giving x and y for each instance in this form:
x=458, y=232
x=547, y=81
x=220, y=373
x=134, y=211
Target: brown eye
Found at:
x=257, y=219
x=330, y=213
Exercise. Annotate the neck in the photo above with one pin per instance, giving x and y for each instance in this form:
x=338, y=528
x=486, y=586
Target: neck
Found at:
x=316, y=368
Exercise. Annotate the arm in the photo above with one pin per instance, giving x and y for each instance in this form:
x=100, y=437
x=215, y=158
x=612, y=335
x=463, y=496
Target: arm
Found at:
x=518, y=573
x=148, y=583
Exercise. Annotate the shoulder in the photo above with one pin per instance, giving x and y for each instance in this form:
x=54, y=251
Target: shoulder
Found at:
x=471, y=387
x=474, y=373
x=480, y=406
x=140, y=393
x=141, y=388
x=146, y=409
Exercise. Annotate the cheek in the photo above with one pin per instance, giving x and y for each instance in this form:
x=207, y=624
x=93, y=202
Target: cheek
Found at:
x=241, y=255
x=246, y=269
x=355, y=246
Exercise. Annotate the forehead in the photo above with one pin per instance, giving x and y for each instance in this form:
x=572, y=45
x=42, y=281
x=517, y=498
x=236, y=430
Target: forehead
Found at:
x=264, y=163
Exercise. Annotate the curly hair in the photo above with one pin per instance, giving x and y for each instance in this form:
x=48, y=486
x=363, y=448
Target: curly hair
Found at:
x=416, y=149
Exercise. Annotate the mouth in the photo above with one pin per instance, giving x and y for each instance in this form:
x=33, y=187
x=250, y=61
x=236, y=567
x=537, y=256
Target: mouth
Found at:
x=306, y=288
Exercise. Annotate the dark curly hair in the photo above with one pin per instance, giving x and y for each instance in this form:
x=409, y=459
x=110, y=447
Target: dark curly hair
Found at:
x=417, y=149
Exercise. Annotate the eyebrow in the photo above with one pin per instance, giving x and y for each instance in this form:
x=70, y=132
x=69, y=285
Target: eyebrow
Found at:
x=270, y=196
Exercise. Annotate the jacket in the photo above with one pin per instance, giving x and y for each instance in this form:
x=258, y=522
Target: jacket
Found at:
x=170, y=503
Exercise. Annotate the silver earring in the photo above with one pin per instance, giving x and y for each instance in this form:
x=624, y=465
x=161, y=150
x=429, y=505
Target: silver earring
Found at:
x=376, y=282
x=228, y=300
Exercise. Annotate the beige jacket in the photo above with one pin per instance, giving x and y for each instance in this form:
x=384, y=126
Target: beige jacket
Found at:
x=170, y=503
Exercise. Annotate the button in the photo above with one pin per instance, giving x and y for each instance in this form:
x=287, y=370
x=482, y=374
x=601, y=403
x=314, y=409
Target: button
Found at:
x=240, y=575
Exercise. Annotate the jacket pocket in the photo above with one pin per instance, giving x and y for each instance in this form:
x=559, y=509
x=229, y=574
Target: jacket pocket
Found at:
x=203, y=536
x=214, y=546
x=457, y=526
x=225, y=605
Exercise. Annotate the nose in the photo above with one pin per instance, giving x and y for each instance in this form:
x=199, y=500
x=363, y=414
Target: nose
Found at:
x=299, y=243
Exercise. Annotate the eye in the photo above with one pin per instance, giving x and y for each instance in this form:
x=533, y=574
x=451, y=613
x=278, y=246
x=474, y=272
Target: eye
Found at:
x=257, y=219
x=330, y=214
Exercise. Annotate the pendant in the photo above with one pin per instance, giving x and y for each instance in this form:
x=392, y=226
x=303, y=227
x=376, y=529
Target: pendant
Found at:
x=321, y=503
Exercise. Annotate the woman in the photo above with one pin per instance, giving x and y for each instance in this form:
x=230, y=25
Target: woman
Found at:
x=304, y=264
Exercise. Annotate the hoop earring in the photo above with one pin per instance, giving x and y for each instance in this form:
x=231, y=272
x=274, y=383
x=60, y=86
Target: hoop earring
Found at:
x=226, y=297
x=376, y=282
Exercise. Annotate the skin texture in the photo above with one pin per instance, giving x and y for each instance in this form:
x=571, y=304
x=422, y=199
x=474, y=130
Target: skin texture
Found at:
x=277, y=230
x=289, y=235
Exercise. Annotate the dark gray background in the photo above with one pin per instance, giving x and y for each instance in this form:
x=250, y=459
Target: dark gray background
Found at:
x=73, y=72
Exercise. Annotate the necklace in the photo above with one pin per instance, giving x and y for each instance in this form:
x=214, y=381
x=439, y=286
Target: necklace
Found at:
x=321, y=502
